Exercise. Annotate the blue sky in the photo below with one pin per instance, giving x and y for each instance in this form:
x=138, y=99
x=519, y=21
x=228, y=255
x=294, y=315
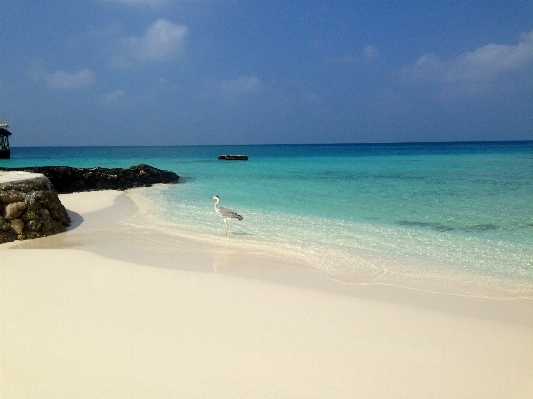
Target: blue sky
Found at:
x=180, y=72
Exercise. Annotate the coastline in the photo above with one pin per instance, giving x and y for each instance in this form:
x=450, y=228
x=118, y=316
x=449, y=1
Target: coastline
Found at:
x=111, y=310
x=346, y=263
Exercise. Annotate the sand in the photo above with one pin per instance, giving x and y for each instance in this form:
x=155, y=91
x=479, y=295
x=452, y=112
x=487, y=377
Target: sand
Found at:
x=106, y=310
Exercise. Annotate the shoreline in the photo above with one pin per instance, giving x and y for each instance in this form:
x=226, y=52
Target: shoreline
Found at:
x=344, y=263
x=111, y=310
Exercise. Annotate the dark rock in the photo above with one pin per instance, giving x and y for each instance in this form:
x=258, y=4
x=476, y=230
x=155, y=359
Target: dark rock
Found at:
x=34, y=225
x=10, y=196
x=17, y=225
x=26, y=213
x=32, y=211
x=14, y=210
x=4, y=224
x=66, y=179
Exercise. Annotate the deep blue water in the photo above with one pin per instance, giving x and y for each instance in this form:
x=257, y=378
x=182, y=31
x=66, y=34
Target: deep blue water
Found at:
x=369, y=211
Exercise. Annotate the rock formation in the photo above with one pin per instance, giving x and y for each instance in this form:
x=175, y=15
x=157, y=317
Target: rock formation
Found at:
x=29, y=208
x=66, y=179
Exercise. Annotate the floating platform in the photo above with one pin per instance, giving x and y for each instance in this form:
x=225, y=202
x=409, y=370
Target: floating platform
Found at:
x=233, y=157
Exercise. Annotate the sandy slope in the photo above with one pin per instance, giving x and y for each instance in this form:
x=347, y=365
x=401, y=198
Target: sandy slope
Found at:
x=110, y=311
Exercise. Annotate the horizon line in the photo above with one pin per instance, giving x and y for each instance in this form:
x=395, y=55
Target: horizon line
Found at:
x=288, y=144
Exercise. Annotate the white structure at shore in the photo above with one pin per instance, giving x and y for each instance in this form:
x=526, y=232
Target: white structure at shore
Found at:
x=5, y=152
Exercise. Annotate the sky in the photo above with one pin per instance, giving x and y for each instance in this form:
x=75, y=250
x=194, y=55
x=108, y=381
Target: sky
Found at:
x=203, y=72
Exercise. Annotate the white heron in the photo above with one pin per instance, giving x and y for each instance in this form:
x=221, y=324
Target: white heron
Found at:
x=225, y=213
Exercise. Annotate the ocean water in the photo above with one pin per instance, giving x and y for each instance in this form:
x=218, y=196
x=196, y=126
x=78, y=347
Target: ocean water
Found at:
x=447, y=217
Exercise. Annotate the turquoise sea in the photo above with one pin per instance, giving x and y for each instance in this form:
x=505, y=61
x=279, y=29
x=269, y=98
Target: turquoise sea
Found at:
x=449, y=217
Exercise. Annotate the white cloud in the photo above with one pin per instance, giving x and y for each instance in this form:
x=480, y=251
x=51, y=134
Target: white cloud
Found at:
x=65, y=80
x=113, y=97
x=244, y=84
x=370, y=52
x=486, y=63
x=162, y=41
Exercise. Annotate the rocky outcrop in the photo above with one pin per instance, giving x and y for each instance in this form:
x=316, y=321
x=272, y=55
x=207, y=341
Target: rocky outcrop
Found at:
x=66, y=179
x=29, y=207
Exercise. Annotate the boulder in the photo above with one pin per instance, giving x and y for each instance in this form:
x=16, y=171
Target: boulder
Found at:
x=17, y=225
x=29, y=208
x=4, y=224
x=34, y=225
x=10, y=196
x=14, y=210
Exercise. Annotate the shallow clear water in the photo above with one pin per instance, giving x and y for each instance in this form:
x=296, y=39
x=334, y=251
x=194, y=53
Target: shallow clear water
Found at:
x=371, y=212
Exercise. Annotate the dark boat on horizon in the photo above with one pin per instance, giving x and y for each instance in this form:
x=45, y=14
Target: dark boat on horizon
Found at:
x=233, y=157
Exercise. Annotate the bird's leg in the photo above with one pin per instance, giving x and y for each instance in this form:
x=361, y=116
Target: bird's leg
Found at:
x=225, y=221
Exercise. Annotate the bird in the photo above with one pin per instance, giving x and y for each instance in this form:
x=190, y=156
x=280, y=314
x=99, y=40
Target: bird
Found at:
x=225, y=213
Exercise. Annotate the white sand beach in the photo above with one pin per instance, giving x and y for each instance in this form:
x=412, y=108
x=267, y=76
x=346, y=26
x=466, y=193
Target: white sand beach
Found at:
x=107, y=310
